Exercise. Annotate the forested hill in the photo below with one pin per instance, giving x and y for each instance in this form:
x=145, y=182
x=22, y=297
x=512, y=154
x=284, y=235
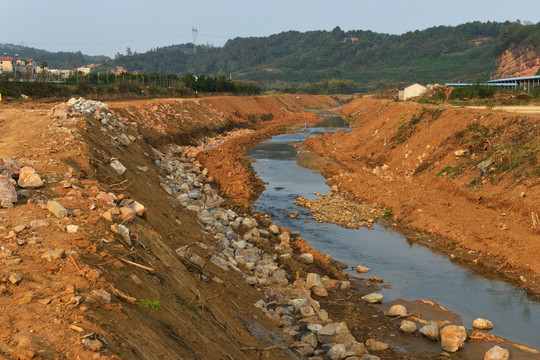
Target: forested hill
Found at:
x=55, y=60
x=438, y=54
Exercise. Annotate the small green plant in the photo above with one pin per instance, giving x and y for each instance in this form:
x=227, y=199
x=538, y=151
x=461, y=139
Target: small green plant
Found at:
x=449, y=170
x=153, y=305
x=136, y=175
x=388, y=214
x=187, y=304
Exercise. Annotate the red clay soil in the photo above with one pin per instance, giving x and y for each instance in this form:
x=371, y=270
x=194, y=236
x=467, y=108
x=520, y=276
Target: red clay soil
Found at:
x=82, y=289
x=465, y=179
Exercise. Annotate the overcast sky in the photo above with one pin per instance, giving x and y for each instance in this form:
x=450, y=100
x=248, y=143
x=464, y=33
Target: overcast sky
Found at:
x=105, y=27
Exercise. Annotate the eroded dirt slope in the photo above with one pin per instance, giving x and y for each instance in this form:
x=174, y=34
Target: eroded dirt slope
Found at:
x=66, y=290
x=468, y=176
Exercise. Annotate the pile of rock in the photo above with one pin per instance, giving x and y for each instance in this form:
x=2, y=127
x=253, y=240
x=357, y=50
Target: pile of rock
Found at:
x=15, y=178
x=239, y=241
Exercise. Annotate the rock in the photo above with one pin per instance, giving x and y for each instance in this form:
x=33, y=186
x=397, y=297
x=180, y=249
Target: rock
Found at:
x=376, y=345
x=8, y=194
x=312, y=280
x=362, y=269
x=430, y=330
x=329, y=332
x=107, y=215
x=19, y=228
x=310, y=339
x=482, y=324
x=127, y=214
x=369, y=357
x=408, y=327
x=337, y=352
x=71, y=229
x=307, y=258
x=497, y=353
x=118, y=167
x=219, y=262
x=58, y=210
x=124, y=140
x=284, y=237
x=92, y=344
x=356, y=348
x=102, y=294
x=29, y=178
x=373, y=298
x=122, y=231
x=52, y=255
x=249, y=222
x=306, y=312
x=397, y=310
x=108, y=198
x=273, y=229
x=252, y=280
x=319, y=291
x=15, y=278
x=39, y=223
x=453, y=338
x=139, y=208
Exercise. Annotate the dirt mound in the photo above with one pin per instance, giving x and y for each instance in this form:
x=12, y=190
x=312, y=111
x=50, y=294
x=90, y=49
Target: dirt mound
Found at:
x=469, y=176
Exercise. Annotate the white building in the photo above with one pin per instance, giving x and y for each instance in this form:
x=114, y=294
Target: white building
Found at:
x=410, y=91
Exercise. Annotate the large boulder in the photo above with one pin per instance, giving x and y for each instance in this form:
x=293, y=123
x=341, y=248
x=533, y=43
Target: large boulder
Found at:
x=453, y=338
x=8, y=194
x=29, y=178
x=497, y=353
x=430, y=330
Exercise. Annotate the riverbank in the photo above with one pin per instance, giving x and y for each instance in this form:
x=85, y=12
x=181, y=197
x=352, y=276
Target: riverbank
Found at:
x=99, y=277
x=465, y=180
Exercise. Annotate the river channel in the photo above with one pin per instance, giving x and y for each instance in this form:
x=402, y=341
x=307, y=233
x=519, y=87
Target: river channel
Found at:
x=410, y=271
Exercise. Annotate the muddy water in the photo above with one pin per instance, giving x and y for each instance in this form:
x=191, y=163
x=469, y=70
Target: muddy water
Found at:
x=410, y=271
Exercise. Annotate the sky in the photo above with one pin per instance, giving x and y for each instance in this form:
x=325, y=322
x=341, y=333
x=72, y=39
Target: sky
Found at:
x=107, y=27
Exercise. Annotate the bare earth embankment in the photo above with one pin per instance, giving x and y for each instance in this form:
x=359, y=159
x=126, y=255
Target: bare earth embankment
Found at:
x=88, y=273
x=466, y=179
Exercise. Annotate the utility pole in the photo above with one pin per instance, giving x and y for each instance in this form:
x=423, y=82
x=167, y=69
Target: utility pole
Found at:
x=194, y=32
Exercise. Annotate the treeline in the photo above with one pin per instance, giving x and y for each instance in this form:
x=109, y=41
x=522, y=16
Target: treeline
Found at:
x=109, y=85
x=292, y=58
x=519, y=34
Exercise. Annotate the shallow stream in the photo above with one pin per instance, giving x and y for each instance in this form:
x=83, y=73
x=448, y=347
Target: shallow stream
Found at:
x=411, y=271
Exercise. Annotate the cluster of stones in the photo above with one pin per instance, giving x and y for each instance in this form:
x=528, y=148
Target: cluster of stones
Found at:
x=334, y=209
x=239, y=241
x=15, y=180
x=452, y=337
x=118, y=130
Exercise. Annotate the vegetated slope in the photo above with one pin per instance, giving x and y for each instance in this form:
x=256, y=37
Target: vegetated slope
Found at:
x=443, y=53
x=55, y=60
x=470, y=176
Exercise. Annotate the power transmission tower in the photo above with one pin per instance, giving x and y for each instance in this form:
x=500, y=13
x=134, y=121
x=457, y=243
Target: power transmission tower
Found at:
x=195, y=32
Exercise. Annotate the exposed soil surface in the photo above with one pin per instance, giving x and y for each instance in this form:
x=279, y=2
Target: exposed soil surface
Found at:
x=85, y=292
x=465, y=179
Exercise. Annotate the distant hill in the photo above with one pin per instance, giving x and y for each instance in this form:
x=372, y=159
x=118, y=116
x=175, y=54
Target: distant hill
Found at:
x=56, y=60
x=466, y=53
x=437, y=54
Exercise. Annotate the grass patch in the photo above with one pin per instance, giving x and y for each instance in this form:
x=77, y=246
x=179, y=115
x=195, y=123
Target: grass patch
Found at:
x=388, y=214
x=187, y=304
x=449, y=170
x=153, y=305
